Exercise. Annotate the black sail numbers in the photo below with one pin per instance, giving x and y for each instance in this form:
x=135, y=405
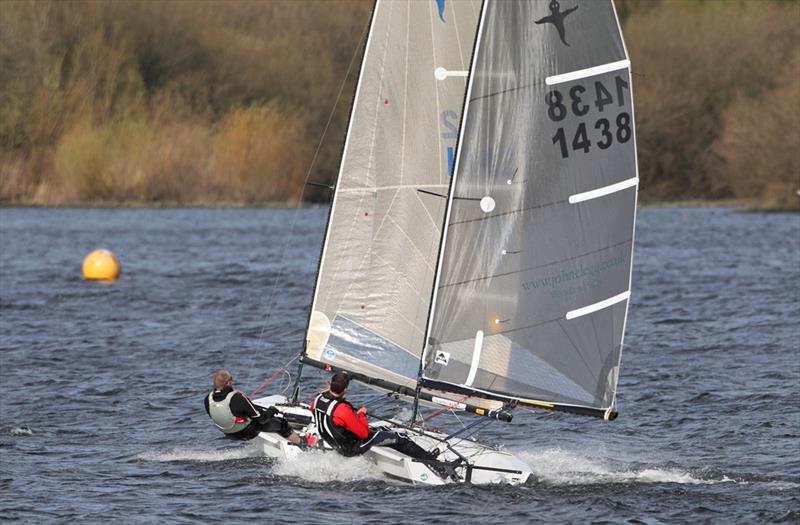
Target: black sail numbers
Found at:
x=598, y=122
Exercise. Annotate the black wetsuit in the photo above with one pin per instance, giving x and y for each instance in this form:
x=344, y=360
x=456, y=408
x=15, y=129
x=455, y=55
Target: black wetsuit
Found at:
x=333, y=416
x=261, y=419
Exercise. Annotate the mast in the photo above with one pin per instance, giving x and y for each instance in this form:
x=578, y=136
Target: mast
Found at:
x=443, y=241
x=296, y=389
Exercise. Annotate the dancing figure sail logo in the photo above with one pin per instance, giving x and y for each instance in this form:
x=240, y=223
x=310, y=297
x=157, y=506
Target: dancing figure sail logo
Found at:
x=556, y=17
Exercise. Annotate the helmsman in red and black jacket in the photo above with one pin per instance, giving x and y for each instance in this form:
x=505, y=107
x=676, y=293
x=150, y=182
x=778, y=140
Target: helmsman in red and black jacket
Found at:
x=347, y=430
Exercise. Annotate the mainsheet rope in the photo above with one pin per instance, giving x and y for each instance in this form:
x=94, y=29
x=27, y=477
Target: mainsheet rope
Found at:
x=265, y=383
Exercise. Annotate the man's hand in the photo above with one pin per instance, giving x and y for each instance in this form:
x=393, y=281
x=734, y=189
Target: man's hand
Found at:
x=362, y=410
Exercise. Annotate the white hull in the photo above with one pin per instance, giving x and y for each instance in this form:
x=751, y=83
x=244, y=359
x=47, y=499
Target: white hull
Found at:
x=480, y=464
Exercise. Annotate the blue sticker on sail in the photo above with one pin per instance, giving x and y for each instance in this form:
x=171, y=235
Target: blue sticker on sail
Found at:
x=450, y=160
x=440, y=4
x=330, y=354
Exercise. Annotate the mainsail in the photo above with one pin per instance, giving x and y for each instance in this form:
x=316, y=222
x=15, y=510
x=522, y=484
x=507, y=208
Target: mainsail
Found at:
x=523, y=296
x=532, y=294
x=373, y=292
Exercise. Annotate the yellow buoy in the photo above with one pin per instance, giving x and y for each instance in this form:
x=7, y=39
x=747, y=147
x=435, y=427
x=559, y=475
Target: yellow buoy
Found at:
x=101, y=265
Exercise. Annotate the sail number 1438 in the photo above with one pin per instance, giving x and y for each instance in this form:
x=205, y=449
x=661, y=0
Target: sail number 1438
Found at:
x=608, y=130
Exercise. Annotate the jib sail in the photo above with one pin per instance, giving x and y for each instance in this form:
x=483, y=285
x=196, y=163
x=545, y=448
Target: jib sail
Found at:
x=373, y=292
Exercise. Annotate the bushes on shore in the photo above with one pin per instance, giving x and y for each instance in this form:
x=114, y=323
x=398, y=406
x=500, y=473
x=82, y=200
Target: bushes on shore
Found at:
x=171, y=102
x=715, y=85
x=262, y=152
x=224, y=102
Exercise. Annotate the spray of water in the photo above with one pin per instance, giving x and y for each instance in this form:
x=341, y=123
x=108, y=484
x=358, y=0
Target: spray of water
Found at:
x=20, y=431
x=199, y=455
x=566, y=467
x=316, y=467
x=552, y=465
x=321, y=467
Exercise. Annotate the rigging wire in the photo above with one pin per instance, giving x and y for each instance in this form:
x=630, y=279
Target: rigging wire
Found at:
x=309, y=398
x=477, y=425
x=264, y=384
x=271, y=378
x=437, y=412
x=289, y=235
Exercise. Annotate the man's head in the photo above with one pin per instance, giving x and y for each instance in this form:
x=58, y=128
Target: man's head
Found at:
x=339, y=383
x=222, y=379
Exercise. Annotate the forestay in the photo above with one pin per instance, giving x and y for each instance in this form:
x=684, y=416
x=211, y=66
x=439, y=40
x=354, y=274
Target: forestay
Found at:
x=373, y=291
x=532, y=295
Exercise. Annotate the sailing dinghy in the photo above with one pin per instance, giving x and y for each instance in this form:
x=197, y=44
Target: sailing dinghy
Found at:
x=478, y=253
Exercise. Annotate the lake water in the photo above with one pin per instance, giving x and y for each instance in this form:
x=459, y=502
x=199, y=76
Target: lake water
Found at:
x=101, y=417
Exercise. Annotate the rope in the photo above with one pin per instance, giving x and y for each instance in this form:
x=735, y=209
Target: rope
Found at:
x=477, y=425
x=264, y=384
x=288, y=382
x=377, y=397
x=437, y=412
x=309, y=398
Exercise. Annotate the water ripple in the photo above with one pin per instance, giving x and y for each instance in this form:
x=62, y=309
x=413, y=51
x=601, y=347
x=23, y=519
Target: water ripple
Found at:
x=106, y=418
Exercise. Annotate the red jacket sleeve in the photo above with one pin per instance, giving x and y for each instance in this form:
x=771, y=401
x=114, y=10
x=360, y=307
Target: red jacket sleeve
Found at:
x=343, y=416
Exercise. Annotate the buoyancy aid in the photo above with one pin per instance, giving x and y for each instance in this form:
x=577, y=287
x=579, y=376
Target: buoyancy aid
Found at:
x=223, y=418
x=338, y=437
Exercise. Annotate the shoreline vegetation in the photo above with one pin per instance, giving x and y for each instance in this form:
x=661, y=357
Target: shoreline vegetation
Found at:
x=223, y=103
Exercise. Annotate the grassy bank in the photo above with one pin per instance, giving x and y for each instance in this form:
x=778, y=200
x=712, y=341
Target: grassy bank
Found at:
x=224, y=102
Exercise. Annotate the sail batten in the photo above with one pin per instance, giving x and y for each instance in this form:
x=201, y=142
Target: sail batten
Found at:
x=587, y=72
x=605, y=303
x=602, y=192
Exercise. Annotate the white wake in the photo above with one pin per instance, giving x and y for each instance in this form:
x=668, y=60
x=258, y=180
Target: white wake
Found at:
x=321, y=467
x=201, y=455
x=315, y=467
x=565, y=467
x=552, y=465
